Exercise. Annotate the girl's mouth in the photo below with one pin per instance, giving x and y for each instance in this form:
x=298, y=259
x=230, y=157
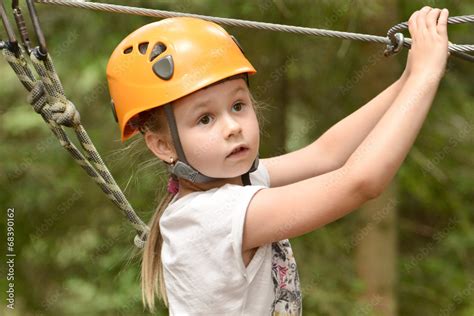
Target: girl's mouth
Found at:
x=238, y=152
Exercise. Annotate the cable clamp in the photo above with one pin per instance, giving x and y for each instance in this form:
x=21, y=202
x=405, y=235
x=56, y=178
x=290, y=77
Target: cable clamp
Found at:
x=396, y=44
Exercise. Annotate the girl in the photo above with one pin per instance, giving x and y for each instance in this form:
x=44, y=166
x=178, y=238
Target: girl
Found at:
x=218, y=242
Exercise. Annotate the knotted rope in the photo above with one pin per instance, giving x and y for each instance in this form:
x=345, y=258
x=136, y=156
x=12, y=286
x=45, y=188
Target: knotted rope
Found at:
x=47, y=98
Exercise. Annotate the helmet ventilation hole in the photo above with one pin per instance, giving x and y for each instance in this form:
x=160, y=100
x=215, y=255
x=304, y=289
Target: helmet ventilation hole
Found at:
x=142, y=47
x=157, y=50
x=128, y=50
x=164, y=67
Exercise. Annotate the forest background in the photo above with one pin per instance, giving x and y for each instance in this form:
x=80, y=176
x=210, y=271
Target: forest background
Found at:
x=409, y=252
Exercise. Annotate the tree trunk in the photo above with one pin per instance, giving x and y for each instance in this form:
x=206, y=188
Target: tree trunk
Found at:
x=376, y=252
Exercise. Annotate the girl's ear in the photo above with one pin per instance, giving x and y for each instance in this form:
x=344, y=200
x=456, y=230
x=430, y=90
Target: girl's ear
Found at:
x=160, y=146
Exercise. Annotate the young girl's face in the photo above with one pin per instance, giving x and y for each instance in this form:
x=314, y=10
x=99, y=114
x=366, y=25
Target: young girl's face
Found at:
x=212, y=122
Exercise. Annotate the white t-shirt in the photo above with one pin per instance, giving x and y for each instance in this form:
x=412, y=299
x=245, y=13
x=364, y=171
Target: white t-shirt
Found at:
x=203, y=267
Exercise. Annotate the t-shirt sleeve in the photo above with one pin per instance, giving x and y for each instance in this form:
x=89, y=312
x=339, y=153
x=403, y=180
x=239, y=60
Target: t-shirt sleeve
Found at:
x=259, y=179
x=239, y=213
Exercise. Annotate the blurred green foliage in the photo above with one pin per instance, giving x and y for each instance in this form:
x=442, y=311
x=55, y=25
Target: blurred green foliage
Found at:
x=74, y=251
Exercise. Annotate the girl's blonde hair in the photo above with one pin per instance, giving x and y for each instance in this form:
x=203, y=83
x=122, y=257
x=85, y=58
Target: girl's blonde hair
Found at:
x=152, y=280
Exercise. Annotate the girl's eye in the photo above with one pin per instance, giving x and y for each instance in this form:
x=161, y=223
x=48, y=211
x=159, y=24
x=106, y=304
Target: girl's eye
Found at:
x=238, y=106
x=204, y=119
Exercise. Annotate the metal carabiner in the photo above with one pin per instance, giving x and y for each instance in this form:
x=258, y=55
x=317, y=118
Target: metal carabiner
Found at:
x=20, y=23
x=396, y=45
x=12, y=43
x=41, y=51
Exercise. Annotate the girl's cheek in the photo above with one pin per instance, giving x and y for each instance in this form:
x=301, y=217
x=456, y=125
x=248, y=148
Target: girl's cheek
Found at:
x=201, y=140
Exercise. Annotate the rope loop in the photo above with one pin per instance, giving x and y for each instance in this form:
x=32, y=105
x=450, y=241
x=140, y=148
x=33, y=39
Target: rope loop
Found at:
x=396, y=44
x=140, y=240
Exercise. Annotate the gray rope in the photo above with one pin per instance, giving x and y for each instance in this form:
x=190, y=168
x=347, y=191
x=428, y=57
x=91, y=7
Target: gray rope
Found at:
x=390, y=41
x=455, y=49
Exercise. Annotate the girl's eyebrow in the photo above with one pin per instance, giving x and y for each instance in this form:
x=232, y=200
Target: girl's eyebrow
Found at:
x=195, y=108
x=200, y=105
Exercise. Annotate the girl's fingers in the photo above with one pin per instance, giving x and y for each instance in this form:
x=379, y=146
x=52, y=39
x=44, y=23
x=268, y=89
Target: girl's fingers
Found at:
x=432, y=19
x=412, y=26
x=421, y=19
x=441, y=27
x=412, y=22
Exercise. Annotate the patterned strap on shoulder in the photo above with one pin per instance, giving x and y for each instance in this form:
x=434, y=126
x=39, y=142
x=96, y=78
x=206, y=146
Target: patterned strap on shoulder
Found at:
x=286, y=282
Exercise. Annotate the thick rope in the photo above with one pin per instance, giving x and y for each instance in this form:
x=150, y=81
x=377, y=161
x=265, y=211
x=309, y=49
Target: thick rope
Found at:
x=390, y=40
x=47, y=98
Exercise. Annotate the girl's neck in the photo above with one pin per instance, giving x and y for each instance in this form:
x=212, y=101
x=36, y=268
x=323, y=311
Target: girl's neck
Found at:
x=186, y=187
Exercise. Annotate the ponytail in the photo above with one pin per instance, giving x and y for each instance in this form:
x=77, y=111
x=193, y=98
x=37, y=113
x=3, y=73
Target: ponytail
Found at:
x=152, y=267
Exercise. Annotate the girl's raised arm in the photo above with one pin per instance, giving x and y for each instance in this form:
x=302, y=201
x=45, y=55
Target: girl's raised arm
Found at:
x=293, y=210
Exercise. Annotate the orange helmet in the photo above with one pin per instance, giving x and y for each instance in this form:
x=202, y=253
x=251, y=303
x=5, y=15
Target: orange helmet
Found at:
x=166, y=60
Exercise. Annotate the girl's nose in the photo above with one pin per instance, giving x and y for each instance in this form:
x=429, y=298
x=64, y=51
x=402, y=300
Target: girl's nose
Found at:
x=232, y=126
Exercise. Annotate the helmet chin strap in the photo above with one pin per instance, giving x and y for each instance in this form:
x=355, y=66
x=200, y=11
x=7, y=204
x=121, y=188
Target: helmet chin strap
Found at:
x=182, y=168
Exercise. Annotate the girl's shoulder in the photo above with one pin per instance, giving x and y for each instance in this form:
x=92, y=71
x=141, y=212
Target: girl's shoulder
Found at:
x=217, y=203
x=260, y=177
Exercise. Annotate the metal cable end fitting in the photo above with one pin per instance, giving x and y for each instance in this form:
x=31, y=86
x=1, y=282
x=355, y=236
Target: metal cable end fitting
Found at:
x=396, y=45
